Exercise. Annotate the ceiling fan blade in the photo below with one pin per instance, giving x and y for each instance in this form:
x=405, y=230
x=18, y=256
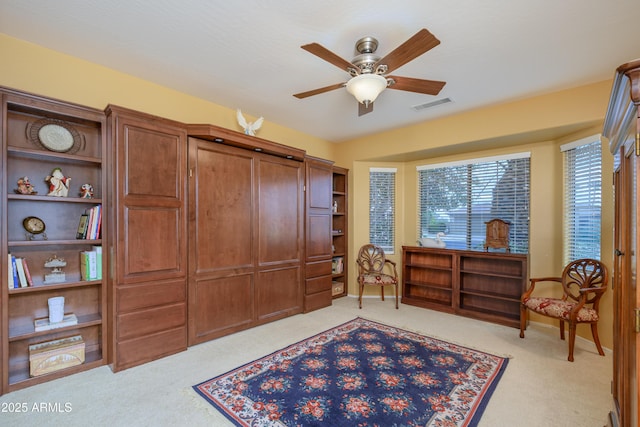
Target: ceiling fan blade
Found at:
x=429, y=87
x=319, y=90
x=420, y=43
x=362, y=110
x=324, y=53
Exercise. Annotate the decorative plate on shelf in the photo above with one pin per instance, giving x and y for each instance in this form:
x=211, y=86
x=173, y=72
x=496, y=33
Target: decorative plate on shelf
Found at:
x=55, y=135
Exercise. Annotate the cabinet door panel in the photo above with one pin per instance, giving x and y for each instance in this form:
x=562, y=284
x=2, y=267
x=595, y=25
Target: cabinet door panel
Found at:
x=319, y=187
x=222, y=305
x=278, y=293
x=318, y=237
x=152, y=163
x=153, y=242
x=223, y=223
x=280, y=212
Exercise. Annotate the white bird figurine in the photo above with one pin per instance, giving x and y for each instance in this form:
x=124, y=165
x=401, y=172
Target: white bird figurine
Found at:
x=428, y=242
x=249, y=128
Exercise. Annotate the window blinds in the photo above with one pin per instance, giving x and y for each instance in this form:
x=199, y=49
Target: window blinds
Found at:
x=582, y=199
x=382, y=196
x=458, y=198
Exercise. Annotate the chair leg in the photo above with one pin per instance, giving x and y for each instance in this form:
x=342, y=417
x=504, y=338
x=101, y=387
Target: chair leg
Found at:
x=562, y=329
x=360, y=295
x=396, y=296
x=523, y=320
x=572, y=340
x=596, y=339
x=382, y=292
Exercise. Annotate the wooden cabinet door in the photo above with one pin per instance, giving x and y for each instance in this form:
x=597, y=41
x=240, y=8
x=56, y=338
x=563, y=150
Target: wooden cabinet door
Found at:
x=625, y=287
x=318, y=217
x=246, y=239
x=148, y=181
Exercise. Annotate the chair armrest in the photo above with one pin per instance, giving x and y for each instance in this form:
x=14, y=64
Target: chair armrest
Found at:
x=532, y=286
x=393, y=264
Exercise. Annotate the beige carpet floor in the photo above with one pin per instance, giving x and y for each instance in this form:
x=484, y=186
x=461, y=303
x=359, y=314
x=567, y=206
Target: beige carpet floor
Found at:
x=539, y=387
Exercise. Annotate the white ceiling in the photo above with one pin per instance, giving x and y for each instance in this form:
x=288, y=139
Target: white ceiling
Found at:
x=246, y=54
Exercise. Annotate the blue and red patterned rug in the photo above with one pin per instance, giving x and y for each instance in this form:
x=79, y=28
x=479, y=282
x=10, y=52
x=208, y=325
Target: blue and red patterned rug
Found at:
x=361, y=373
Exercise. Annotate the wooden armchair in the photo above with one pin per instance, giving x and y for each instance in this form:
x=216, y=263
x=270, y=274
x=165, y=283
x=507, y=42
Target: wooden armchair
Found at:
x=583, y=283
x=371, y=263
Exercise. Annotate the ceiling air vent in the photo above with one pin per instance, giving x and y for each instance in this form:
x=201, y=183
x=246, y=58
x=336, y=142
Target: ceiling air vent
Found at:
x=421, y=107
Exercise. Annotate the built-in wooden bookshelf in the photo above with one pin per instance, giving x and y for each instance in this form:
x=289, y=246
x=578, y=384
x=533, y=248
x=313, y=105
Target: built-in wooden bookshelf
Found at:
x=339, y=232
x=40, y=135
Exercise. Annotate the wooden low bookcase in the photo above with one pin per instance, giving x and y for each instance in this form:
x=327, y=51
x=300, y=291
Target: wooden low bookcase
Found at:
x=481, y=285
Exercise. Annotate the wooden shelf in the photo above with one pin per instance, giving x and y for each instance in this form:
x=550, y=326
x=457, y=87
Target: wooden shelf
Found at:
x=339, y=221
x=482, y=285
x=26, y=332
x=22, y=156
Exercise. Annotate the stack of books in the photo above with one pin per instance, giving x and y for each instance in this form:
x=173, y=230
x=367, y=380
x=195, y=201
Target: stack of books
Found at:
x=19, y=275
x=90, y=224
x=91, y=264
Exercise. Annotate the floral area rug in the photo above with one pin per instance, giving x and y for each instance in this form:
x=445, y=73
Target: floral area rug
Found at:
x=361, y=373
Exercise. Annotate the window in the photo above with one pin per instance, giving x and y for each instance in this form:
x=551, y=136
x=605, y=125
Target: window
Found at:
x=382, y=207
x=458, y=198
x=582, y=198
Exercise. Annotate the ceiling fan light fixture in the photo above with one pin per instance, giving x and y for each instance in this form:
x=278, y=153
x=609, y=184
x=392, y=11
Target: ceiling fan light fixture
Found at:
x=366, y=87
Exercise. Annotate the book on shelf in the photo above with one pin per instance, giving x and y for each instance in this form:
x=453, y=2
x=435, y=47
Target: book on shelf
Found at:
x=98, y=250
x=88, y=265
x=14, y=267
x=82, y=226
x=10, y=271
x=90, y=224
x=43, y=324
x=21, y=276
x=27, y=273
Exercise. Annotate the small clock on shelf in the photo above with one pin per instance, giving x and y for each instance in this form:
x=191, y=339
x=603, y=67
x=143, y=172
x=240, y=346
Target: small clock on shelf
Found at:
x=34, y=227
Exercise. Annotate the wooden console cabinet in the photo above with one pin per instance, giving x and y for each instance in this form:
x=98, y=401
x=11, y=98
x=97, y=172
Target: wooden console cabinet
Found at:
x=482, y=285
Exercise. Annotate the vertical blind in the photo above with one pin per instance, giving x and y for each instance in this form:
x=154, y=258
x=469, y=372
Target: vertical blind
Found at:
x=458, y=198
x=382, y=209
x=582, y=198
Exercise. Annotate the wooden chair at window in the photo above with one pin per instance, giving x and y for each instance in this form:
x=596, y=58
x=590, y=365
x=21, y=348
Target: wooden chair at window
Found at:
x=497, y=235
x=583, y=283
x=371, y=266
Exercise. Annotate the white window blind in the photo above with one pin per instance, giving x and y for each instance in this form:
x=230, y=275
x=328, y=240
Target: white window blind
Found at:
x=382, y=209
x=582, y=198
x=458, y=198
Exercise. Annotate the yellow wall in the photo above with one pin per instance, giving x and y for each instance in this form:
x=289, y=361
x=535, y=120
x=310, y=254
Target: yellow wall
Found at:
x=491, y=131
x=471, y=134
x=45, y=72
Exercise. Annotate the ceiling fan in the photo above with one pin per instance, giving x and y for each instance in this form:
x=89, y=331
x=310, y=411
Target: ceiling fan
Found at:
x=369, y=72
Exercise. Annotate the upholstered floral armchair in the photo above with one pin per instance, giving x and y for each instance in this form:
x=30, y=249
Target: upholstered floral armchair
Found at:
x=371, y=270
x=583, y=283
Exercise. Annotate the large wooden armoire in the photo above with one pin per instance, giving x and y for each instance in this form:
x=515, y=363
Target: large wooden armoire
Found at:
x=622, y=128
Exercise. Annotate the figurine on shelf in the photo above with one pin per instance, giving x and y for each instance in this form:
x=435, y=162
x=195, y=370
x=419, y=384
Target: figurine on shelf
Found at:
x=86, y=191
x=25, y=187
x=58, y=183
x=56, y=275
